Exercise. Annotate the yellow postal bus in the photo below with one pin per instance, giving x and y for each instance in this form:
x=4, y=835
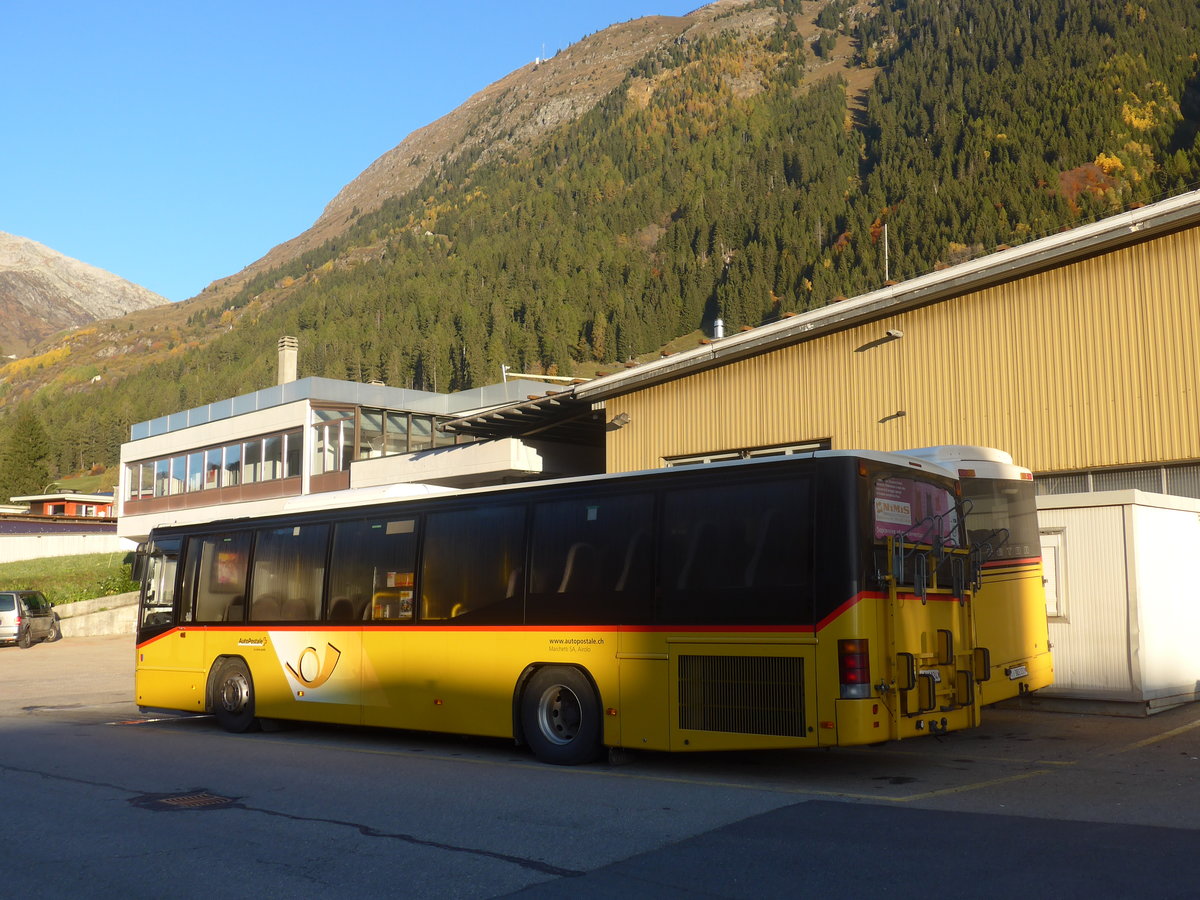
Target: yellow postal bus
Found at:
x=806, y=601
x=1010, y=606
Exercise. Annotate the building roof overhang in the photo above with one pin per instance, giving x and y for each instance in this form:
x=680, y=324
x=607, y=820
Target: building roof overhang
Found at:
x=67, y=496
x=556, y=416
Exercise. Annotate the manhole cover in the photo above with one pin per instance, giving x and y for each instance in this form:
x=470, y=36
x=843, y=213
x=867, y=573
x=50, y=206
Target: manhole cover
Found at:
x=197, y=799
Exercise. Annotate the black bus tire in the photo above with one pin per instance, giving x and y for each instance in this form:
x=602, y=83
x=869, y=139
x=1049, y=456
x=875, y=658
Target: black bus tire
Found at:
x=560, y=716
x=233, y=697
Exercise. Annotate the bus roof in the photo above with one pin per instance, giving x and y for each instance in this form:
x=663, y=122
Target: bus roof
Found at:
x=970, y=461
x=376, y=495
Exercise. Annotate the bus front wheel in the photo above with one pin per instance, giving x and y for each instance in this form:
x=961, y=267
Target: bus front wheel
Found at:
x=233, y=697
x=560, y=716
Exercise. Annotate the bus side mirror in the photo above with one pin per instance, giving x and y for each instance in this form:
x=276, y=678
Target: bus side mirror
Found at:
x=137, y=571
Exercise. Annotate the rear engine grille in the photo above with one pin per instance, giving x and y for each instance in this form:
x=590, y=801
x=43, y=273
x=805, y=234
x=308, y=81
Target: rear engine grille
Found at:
x=742, y=694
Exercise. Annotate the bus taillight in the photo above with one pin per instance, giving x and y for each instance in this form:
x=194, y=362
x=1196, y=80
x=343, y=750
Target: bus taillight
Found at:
x=854, y=668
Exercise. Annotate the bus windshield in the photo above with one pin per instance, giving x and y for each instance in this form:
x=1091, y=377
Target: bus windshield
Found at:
x=1002, y=518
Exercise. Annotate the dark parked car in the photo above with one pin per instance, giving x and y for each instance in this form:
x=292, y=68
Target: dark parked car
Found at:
x=25, y=617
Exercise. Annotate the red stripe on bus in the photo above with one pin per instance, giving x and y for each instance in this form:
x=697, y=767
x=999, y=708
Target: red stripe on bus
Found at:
x=828, y=620
x=1004, y=563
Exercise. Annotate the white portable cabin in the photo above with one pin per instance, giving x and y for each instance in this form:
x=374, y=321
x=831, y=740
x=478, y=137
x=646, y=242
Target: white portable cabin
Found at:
x=1123, y=599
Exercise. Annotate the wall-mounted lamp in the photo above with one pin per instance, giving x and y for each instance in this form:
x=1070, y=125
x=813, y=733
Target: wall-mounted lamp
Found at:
x=892, y=334
x=620, y=420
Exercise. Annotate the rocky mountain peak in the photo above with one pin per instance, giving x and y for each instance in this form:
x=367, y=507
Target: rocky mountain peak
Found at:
x=42, y=291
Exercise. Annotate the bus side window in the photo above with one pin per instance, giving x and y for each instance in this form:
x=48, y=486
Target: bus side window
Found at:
x=592, y=560
x=582, y=570
x=372, y=570
x=637, y=570
x=753, y=562
x=469, y=560
x=217, y=563
x=158, y=605
x=289, y=573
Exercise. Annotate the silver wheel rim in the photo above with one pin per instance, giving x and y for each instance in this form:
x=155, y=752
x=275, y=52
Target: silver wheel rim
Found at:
x=235, y=693
x=559, y=714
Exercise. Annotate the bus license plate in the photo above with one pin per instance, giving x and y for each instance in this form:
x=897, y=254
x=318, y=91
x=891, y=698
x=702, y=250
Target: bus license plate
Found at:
x=1016, y=672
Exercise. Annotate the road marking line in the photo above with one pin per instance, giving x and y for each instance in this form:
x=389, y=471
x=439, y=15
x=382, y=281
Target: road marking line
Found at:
x=1158, y=737
x=962, y=788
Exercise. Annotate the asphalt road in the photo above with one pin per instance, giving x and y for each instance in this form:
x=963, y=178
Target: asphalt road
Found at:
x=98, y=800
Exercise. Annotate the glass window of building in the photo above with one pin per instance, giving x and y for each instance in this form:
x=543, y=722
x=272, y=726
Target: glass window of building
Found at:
x=421, y=437
x=233, y=466
x=396, y=439
x=442, y=438
x=370, y=433
x=293, y=454
x=272, y=465
x=178, y=474
x=162, y=477
x=212, y=468
x=333, y=440
x=252, y=457
x=195, y=471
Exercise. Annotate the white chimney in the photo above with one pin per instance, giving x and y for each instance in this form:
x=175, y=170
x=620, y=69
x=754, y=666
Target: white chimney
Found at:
x=288, y=347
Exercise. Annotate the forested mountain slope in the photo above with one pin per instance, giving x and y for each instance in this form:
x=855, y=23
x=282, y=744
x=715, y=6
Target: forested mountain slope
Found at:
x=718, y=178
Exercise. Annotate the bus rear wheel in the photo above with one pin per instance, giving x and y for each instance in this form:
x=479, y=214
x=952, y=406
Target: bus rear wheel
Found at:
x=233, y=697
x=560, y=716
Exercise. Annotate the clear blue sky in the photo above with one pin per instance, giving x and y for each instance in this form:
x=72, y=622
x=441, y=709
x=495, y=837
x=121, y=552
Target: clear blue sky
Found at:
x=174, y=143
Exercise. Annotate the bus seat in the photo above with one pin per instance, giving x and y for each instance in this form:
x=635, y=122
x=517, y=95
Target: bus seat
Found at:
x=514, y=583
x=235, y=610
x=341, y=611
x=580, y=571
x=265, y=608
x=295, y=610
x=636, y=558
x=701, y=552
x=753, y=574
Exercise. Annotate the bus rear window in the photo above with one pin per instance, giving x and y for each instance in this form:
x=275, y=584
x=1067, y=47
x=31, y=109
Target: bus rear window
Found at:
x=918, y=511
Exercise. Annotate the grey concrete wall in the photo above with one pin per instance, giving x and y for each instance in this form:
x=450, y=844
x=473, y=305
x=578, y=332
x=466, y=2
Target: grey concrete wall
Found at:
x=104, y=615
x=20, y=547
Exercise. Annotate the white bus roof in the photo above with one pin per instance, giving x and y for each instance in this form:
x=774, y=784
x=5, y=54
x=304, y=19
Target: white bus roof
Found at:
x=369, y=496
x=360, y=496
x=972, y=462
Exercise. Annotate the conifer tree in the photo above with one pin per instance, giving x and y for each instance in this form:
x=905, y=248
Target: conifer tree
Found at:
x=24, y=457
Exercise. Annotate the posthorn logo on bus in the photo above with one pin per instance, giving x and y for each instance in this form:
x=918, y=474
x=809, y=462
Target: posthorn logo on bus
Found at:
x=312, y=669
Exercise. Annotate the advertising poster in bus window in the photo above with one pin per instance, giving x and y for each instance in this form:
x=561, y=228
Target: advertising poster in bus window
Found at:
x=902, y=503
x=230, y=571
